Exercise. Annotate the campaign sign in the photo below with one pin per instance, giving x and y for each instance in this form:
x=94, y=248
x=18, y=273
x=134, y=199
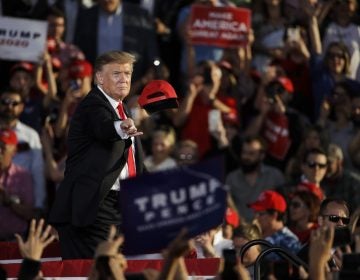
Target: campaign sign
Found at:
x=156, y=206
x=225, y=27
x=22, y=39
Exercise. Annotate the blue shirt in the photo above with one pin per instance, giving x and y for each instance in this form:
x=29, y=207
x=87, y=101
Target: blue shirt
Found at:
x=110, y=31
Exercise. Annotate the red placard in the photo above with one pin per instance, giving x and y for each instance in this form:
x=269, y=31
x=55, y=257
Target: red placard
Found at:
x=225, y=27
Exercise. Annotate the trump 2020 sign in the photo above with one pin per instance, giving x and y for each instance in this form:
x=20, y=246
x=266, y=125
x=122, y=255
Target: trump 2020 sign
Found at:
x=156, y=206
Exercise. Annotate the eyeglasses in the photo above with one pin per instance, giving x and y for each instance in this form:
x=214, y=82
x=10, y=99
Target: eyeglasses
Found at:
x=333, y=55
x=185, y=157
x=312, y=164
x=336, y=219
x=9, y=102
x=295, y=204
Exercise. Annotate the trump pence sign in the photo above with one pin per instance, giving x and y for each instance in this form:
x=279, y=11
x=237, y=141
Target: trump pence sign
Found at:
x=156, y=206
x=225, y=27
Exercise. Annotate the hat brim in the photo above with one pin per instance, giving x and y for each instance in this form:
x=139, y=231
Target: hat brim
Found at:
x=257, y=206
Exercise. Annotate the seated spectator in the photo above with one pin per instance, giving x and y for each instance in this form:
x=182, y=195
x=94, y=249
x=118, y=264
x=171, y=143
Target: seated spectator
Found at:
x=16, y=190
x=340, y=182
x=242, y=235
x=314, y=137
x=343, y=29
x=313, y=166
x=335, y=118
x=303, y=213
x=163, y=142
x=22, y=80
x=57, y=48
x=186, y=152
x=269, y=211
x=29, y=149
x=252, y=177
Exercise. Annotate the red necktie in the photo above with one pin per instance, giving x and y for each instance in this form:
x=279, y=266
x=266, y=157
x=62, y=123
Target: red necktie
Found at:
x=130, y=159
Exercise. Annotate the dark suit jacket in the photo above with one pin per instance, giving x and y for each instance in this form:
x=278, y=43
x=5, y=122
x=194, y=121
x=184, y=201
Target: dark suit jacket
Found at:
x=95, y=158
x=138, y=35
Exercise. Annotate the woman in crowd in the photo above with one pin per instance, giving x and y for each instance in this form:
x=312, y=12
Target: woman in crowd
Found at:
x=303, y=212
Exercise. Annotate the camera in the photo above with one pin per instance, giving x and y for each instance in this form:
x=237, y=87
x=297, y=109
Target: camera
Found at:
x=273, y=89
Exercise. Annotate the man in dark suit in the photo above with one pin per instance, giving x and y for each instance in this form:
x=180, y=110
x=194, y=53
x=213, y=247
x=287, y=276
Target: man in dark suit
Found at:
x=113, y=25
x=103, y=149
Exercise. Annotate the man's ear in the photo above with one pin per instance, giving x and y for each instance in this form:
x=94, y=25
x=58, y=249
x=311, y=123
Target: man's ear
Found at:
x=99, y=78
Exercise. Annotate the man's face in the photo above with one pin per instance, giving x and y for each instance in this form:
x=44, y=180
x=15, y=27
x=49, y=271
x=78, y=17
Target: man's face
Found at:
x=314, y=168
x=251, y=154
x=115, y=80
x=333, y=215
x=109, y=6
x=265, y=220
x=56, y=27
x=11, y=106
x=21, y=81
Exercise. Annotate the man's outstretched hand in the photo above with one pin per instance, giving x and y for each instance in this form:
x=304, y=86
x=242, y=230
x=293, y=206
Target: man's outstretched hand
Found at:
x=38, y=239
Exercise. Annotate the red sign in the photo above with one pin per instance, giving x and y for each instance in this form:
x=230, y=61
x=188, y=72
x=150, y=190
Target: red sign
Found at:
x=225, y=27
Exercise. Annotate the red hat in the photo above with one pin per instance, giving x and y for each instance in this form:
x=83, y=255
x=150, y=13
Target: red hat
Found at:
x=24, y=66
x=80, y=69
x=158, y=95
x=311, y=187
x=8, y=137
x=269, y=200
x=232, y=218
x=285, y=83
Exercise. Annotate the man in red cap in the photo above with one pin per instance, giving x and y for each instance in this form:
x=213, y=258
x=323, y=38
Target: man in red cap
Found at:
x=16, y=190
x=269, y=211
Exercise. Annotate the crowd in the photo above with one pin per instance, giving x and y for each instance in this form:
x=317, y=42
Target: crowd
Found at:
x=283, y=110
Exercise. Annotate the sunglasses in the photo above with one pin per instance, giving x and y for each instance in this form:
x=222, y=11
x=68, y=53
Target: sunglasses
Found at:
x=312, y=164
x=295, y=204
x=336, y=219
x=9, y=102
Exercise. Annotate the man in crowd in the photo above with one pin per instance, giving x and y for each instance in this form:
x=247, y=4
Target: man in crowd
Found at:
x=114, y=25
x=103, y=150
x=16, y=190
x=252, y=177
x=269, y=211
x=340, y=182
x=29, y=148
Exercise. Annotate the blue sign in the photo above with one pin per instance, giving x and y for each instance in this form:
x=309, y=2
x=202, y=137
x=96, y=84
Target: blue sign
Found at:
x=156, y=206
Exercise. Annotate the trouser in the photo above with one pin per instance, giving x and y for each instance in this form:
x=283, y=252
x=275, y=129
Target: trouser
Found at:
x=81, y=242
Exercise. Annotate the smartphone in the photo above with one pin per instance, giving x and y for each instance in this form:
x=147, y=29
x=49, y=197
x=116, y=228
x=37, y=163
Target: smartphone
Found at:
x=214, y=119
x=342, y=236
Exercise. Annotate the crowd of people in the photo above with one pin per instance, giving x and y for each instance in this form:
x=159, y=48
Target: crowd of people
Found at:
x=283, y=110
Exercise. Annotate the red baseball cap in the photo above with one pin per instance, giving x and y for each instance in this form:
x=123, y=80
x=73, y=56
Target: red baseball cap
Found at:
x=311, y=187
x=79, y=69
x=231, y=217
x=268, y=200
x=285, y=82
x=158, y=95
x=8, y=137
x=23, y=66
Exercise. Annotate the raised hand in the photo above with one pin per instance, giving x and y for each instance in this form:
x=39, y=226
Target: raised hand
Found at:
x=38, y=239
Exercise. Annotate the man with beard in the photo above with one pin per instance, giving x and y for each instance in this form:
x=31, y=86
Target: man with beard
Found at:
x=252, y=177
x=29, y=149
